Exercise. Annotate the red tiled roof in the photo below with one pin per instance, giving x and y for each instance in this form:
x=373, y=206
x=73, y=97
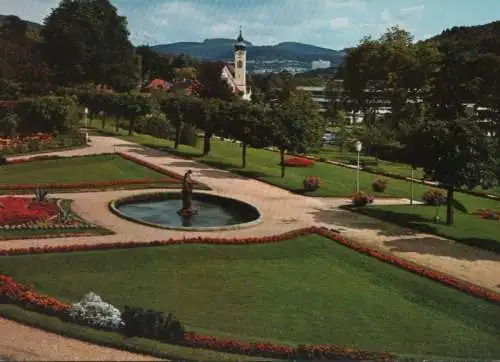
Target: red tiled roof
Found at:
x=159, y=84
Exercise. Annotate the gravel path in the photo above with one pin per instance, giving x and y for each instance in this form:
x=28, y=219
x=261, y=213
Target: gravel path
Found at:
x=281, y=211
x=22, y=343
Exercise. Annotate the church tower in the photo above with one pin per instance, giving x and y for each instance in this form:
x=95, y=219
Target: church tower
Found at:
x=240, y=64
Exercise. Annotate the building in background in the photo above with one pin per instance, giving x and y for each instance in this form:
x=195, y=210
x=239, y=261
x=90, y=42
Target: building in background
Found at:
x=236, y=74
x=321, y=64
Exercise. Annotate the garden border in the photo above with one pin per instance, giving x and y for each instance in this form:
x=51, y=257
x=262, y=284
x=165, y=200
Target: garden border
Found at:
x=21, y=294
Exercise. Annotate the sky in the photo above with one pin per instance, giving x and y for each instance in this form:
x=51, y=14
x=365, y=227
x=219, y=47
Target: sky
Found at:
x=334, y=24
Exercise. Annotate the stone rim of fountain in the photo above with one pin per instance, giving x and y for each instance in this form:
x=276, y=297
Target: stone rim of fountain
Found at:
x=114, y=204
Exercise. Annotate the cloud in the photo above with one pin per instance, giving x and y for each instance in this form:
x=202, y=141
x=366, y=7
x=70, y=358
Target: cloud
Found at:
x=412, y=10
x=340, y=23
x=385, y=15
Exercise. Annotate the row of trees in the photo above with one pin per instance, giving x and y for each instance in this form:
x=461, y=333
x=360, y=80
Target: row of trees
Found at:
x=426, y=88
x=293, y=125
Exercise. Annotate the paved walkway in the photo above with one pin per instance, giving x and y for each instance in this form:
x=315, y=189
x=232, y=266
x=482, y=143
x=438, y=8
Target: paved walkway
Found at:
x=281, y=211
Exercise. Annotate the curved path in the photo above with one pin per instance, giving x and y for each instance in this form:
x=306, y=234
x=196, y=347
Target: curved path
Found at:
x=282, y=211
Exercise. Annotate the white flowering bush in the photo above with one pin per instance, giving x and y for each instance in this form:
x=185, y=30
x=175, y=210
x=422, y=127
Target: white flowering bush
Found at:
x=93, y=311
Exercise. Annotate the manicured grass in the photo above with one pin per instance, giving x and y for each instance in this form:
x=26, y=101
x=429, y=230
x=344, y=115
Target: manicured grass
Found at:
x=331, y=152
x=76, y=170
x=468, y=229
x=306, y=290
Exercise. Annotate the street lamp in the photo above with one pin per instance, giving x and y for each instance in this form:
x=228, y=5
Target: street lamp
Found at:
x=359, y=147
x=85, y=118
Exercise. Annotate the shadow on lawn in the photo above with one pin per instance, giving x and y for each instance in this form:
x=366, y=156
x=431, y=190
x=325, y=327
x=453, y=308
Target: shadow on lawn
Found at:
x=428, y=245
x=421, y=224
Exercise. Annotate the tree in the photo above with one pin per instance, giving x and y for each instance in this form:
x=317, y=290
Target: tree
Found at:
x=175, y=109
x=135, y=106
x=246, y=122
x=454, y=152
x=298, y=126
x=214, y=91
x=86, y=41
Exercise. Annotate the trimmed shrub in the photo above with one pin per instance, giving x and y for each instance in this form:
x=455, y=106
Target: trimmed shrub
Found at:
x=311, y=183
x=188, y=135
x=94, y=312
x=150, y=324
x=361, y=199
x=379, y=185
x=434, y=197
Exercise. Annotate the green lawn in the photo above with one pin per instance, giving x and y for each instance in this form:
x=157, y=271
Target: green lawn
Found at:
x=331, y=152
x=468, y=229
x=76, y=170
x=263, y=165
x=306, y=290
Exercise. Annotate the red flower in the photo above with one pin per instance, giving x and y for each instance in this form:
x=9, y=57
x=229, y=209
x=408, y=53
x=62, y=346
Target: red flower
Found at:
x=20, y=210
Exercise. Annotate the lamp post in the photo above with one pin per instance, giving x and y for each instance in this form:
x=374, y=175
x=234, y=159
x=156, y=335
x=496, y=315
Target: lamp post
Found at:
x=359, y=147
x=85, y=119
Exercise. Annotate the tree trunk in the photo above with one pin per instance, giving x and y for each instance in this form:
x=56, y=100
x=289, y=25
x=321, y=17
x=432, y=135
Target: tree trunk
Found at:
x=178, y=129
x=117, y=124
x=449, y=206
x=206, y=142
x=282, y=157
x=130, y=127
x=244, y=155
x=103, y=120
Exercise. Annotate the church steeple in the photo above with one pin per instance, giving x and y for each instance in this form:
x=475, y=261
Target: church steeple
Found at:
x=240, y=42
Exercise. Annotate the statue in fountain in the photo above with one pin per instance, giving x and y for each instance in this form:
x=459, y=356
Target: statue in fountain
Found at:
x=187, y=196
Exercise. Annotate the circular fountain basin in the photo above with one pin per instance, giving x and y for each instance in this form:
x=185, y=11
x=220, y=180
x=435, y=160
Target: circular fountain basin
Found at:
x=160, y=210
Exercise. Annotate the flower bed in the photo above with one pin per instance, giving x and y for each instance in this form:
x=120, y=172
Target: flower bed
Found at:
x=12, y=291
x=487, y=214
x=298, y=162
x=15, y=211
x=20, y=294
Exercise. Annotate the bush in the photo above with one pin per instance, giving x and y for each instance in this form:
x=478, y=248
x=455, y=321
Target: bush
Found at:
x=311, y=183
x=150, y=324
x=46, y=114
x=94, y=312
x=379, y=185
x=434, y=197
x=9, y=124
x=155, y=124
x=298, y=162
x=188, y=135
x=361, y=199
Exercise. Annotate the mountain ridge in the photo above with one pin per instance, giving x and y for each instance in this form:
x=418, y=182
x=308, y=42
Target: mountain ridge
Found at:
x=222, y=49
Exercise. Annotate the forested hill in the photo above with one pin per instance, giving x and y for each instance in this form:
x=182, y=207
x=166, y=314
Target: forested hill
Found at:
x=474, y=40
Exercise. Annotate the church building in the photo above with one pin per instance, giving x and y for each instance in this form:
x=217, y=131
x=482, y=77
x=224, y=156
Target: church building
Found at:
x=236, y=74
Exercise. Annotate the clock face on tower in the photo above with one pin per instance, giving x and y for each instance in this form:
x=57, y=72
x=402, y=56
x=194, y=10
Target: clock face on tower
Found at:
x=239, y=64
